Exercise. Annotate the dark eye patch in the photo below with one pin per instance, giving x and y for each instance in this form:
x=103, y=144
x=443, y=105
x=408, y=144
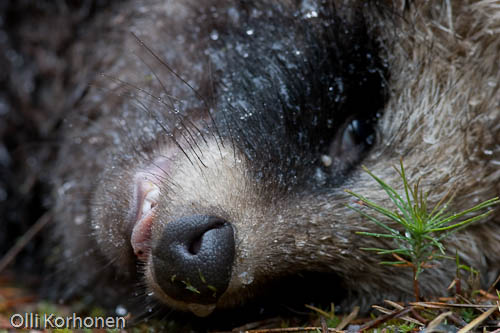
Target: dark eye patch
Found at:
x=297, y=91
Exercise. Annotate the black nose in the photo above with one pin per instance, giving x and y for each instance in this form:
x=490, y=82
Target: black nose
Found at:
x=193, y=259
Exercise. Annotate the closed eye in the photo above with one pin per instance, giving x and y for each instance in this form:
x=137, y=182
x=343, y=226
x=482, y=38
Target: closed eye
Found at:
x=349, y=145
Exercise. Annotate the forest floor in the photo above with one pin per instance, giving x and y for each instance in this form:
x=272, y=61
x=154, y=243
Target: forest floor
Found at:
x=467, y=311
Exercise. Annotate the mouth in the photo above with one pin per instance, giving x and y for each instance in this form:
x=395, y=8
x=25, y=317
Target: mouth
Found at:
x=200, y=310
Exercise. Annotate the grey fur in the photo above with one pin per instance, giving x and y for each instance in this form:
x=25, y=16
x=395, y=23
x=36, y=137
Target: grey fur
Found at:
x=442, y=117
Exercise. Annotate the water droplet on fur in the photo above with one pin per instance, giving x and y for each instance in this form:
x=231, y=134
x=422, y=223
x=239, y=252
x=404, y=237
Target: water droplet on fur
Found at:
x=245, y=278
x=311, y=14
x=250, y=32
x=79, y=219
x=241, y=49
x=151, y=294
x=121, y=310
x=340, y=84
x=300, y=241
x=488, y=152
x=214, y=35
x=326, y=160
x=65, y=187
x=233, y=14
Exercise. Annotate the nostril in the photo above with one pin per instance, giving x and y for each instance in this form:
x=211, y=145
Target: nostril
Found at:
x=197, y=241
x=193, y=259
x=195, y=246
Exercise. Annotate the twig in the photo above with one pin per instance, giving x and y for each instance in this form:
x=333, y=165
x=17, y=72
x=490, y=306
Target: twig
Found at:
x=488, y=295
x=465, y=300
x=458, y=321
x=439, y=305
x=24, y=240
x=478, y=320
x=382, y=319
x=418, y=317
x=406, y=318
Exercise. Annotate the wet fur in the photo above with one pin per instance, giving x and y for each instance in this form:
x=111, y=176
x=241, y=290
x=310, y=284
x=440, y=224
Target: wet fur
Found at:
x=436, y=105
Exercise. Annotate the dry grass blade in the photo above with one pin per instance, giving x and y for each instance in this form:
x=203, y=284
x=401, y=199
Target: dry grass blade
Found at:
x=405, y=318
x=394, y=304
x=477, y=321
x=318, y=310
x=439, y=305
x=436, y=321
x=347, y=319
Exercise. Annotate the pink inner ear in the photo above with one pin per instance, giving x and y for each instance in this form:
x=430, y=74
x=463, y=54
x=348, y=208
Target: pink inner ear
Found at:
x=147, y=192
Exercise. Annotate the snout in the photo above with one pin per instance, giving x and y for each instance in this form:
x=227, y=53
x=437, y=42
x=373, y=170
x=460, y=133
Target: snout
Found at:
x=193, y=259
